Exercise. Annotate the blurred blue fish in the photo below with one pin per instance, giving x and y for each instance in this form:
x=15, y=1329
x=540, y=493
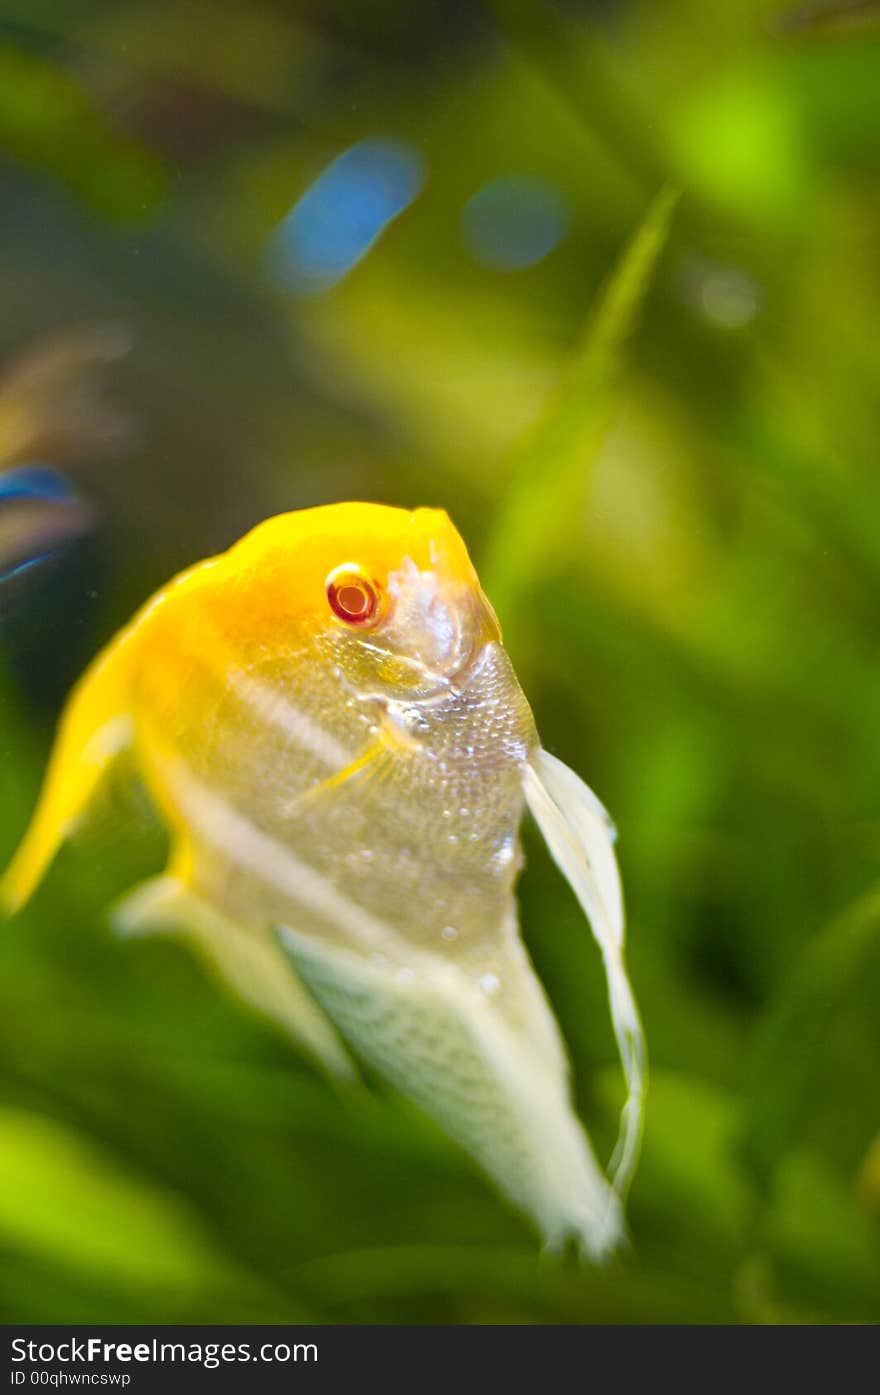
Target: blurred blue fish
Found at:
x=51, y=403
x=40, y=514
x=35, y=482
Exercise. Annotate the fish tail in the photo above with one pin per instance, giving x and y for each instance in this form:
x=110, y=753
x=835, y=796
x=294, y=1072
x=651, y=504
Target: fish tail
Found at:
x=95, y=727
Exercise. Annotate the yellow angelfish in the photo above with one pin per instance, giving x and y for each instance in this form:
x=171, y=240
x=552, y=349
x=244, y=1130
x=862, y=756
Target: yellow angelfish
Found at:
x=327, y=720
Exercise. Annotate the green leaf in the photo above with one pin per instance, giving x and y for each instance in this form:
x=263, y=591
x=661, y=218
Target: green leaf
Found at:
x=62, y=1198
x=582, y=65
x=534, y=523
x=48, y=122
x=824, y=1249
x=817, y=1057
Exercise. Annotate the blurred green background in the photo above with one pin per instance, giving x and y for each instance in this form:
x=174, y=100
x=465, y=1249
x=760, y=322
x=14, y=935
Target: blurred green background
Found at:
x=668, y=476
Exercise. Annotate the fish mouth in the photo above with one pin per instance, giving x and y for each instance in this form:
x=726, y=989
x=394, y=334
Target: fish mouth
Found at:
x=449, y=686
x=434, y=686
x=440, y=623
x=431, y=642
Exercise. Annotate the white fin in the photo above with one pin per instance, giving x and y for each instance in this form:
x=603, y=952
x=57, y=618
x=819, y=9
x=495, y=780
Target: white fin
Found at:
x=580, y=836
x=247, y=960
x=434, y=1034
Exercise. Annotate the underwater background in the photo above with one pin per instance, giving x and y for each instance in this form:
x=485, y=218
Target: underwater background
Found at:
x=603, y=280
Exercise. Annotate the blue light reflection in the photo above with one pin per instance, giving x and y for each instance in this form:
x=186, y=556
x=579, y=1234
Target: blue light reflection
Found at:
x=514, y=222
x=341, y=215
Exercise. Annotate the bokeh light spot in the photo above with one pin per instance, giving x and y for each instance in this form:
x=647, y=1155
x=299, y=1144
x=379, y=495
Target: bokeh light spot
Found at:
x=341, y=215
x=514, y=222
x=726, y=296
x=730, y=299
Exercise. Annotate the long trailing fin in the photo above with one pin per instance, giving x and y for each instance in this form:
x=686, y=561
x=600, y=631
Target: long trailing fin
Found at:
x=95, y=728
x=580, y=837
x=494, y=1084
x=247, y=960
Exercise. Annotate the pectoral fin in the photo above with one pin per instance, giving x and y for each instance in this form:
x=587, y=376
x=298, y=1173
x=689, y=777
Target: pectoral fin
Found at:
x=431, y=1032
x=246, y=959
x=362, y=766
x=580, y=837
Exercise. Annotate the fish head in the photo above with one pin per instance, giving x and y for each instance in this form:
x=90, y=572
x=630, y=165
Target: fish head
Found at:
x=388, y=597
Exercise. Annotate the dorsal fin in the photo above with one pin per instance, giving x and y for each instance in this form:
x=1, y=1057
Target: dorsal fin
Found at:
x=95, y=727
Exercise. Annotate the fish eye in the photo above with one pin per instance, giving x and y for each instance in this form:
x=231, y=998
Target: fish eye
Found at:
x=353, y=599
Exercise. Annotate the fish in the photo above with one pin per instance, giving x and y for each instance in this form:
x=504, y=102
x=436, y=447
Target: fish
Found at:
x=40, y=513
x=52, y=409
x=53, y=403
x=328, y=722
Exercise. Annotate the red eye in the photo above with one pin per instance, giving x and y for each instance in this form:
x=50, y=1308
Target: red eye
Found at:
x=352, y=598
